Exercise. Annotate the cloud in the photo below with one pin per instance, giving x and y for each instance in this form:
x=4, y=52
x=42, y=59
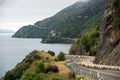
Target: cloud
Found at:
x=29, y=11
x=2, y=1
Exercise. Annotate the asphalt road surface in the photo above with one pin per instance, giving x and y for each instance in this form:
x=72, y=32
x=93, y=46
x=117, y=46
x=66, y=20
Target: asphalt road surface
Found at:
x=96, y=74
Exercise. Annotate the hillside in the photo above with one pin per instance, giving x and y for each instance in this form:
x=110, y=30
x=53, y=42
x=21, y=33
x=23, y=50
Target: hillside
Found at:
x=70, y=22
x=39, y=65
x=108, y=44
x=103, y=41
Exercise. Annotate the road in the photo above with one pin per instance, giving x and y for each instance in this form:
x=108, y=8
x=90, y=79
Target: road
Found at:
x=97, y=74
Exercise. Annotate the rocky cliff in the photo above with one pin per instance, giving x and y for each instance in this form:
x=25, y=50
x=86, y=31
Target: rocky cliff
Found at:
x=105, y=45
x=108, y=44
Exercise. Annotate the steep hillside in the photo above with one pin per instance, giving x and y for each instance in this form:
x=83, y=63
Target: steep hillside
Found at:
x=70, y=22
x=30, y=31
x=108, y=45
x=86, y=44
x=104, y=40
x=38, y=65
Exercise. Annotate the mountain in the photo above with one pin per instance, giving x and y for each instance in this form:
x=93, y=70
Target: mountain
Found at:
x=70, y=22
x=103, y=41
x=6, y=31
x=108, y=44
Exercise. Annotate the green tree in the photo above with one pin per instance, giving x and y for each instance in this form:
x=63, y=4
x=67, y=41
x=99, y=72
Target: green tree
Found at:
x=51, y=53
x=61, y=56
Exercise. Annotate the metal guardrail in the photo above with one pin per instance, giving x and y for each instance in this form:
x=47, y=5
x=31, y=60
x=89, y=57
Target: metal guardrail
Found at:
x=79, y=71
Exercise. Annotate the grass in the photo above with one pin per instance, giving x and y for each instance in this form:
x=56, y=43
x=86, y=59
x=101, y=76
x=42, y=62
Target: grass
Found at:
x=63, y=70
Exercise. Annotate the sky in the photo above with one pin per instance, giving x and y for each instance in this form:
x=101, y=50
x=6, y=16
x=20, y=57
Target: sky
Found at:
x=17, y=13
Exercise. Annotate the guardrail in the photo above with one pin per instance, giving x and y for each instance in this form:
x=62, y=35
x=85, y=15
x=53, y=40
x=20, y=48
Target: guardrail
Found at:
x=76, y=69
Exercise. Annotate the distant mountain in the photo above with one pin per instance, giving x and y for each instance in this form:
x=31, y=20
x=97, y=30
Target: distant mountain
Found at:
x=6, y=31
x=71, y=22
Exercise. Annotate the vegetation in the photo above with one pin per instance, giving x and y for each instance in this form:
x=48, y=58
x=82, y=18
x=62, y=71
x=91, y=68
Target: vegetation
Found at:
x=61, y=56
x=71, y=22
x=56, y=78
x=57, y=39
x=86, y=42
x=52, y=39
x=38, y=68
x=51, y=53
x=89, y=38
x=17, y=72
x=52, y=68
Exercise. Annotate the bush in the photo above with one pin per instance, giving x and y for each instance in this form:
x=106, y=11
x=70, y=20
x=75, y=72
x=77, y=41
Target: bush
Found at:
x=51, y=53
x=61, y=56
x=71, y=75
x=56, y=78
x=29, y=75
x=41, y=76
x=36, y=57
x=52, y=68
x=56, y=59
x=40, y=68
x=89, y=38
x=17, y=72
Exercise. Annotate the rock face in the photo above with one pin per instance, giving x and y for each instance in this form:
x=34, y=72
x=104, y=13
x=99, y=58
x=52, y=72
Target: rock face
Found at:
x=108, y=44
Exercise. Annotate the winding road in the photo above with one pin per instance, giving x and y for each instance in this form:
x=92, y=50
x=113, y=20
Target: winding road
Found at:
x=96, y=74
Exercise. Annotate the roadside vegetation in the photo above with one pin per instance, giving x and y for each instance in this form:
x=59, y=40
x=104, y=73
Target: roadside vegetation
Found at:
x=86, y=43
x=41, y=66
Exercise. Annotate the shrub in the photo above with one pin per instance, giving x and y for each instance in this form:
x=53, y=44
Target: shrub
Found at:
x=41, y=76
x=9, y=75
x=56, y=78
x=51, y=53
x=36, y=57
x=56, y=59
x=61, y=56
x=40, y=68
x=30, y=75
x=71, y=75
x=17, y=72
x=52, y=68
x=89, y=38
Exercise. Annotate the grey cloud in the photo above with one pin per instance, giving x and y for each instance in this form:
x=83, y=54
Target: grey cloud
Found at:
x=17, y=11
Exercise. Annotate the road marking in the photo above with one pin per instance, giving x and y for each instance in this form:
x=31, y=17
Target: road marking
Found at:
x=109, y=74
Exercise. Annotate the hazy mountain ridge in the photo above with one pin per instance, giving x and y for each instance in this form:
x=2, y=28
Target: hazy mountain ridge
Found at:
x=72, y=21
x=6, y=31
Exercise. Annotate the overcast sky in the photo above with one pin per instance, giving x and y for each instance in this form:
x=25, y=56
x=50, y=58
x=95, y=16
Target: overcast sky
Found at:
x=17, y=13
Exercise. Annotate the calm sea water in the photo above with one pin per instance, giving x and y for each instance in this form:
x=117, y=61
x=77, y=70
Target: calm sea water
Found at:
x=13, y=50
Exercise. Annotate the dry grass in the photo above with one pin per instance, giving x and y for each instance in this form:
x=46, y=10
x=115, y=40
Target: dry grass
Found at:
x=63, y=70
x=45, y=54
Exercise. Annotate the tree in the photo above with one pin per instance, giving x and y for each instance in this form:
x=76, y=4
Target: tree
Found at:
x=51, y=53
x=61, y=56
